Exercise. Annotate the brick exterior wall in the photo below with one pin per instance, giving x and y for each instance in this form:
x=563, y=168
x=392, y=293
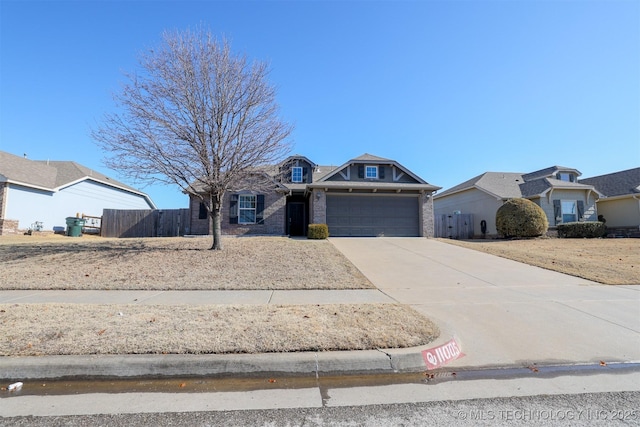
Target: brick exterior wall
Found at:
x=426, y=200
x=4, y=189
x=274, y=217
x=8, y=226
x=318, y=207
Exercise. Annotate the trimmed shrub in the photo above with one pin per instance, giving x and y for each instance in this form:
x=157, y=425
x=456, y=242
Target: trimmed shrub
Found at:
x=318, y=231
x=585, y=229
x=521, y=218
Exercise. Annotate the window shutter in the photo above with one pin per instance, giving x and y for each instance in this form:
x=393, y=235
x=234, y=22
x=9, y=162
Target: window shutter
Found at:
x=381, y=172
x=360, y=171
x=557, y=211
x=305, y=171
x=580, y=210
x=202, y=214
x=233, y=209
x=260, y=209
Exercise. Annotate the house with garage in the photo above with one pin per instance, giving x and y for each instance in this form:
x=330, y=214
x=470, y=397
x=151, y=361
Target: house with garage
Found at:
x=47, y=192
x=366, y=196
x=619, y=203
x=555, y=189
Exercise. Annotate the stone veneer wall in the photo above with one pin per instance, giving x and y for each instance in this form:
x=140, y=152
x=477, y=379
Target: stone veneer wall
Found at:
x=428, y=228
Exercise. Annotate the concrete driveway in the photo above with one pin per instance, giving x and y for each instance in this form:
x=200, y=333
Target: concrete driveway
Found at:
x=502, y=312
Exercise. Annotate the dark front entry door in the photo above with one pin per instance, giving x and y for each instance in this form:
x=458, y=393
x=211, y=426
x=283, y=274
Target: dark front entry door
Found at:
x=295, y=217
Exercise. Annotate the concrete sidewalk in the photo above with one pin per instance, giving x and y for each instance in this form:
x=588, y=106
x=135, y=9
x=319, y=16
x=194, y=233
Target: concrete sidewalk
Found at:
x=140, y=297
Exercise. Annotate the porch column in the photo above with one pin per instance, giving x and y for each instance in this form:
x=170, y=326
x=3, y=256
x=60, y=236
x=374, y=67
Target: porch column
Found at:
x=426, y=203
x=319, y=206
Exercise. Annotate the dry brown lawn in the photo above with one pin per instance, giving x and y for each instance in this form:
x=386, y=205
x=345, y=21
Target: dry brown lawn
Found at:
x=90, y=262
x=47, y=329
x=608, y=261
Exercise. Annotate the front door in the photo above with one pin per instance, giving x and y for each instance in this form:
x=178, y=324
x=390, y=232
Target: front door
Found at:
x=295, y=218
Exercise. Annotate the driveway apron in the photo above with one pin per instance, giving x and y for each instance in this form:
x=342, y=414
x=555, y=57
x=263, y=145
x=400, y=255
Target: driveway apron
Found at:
x=502, y=313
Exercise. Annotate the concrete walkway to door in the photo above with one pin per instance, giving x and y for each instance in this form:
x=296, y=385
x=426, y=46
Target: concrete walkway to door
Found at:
x=503, y=313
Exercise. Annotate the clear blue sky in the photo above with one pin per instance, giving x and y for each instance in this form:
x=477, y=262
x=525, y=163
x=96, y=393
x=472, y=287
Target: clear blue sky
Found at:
x=449, y=89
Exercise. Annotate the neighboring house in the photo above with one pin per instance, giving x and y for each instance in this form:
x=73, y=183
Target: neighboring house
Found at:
x=366, y=196
x=555, y=189
x=620, y=203
x=50, y=191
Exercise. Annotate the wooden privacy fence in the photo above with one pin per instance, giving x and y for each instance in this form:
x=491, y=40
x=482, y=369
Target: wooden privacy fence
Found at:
x=454, y=226
x=145, y=223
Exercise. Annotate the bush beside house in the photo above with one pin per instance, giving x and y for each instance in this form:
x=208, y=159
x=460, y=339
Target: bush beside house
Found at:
x=318, y=231
x=587, y=229
x=521, y=218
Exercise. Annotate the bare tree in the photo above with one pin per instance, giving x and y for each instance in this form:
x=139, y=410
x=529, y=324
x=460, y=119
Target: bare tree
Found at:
x=196, y=116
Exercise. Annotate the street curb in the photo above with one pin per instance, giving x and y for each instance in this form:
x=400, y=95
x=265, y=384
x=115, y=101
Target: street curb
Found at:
x=224, y=365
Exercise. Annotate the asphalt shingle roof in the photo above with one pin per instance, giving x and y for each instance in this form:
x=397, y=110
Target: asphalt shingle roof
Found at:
x=49, y=175
x=617, y=183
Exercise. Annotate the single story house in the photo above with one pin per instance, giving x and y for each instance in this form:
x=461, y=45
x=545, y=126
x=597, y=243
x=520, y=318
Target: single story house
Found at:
x=555, y=189
x=48, y=192
x=366, y=196
x=620, y=200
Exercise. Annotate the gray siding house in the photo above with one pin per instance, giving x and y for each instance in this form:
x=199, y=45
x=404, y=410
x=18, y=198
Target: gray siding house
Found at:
x=49, y=191
x=366, y=196
x=555, y=189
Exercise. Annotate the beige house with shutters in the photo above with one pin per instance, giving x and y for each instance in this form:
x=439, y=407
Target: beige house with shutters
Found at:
x=555, y=189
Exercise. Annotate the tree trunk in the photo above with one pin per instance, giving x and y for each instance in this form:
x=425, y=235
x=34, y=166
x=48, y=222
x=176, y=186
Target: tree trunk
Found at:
x=216, y=229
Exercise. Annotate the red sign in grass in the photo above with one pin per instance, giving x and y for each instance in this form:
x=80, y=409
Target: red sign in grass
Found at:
x=441, y=355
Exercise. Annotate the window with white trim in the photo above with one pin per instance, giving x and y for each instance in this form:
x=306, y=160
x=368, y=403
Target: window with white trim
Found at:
x=247, y=209
x=371, y=172
x=296, y=174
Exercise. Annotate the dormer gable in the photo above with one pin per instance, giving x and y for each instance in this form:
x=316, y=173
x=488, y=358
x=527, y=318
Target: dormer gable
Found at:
x=297, y=169
x=561, y=173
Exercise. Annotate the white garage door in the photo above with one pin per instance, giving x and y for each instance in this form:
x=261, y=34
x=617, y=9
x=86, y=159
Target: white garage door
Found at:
x=350, y=215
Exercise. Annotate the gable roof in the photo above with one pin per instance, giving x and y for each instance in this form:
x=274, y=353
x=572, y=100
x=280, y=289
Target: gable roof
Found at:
x=366, y=157
x=616, y=183
x=497, y=184
x=53, y=175
x=371, y=159
x=297, y=156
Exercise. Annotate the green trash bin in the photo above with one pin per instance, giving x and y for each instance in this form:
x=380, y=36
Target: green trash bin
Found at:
x=74, y=226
